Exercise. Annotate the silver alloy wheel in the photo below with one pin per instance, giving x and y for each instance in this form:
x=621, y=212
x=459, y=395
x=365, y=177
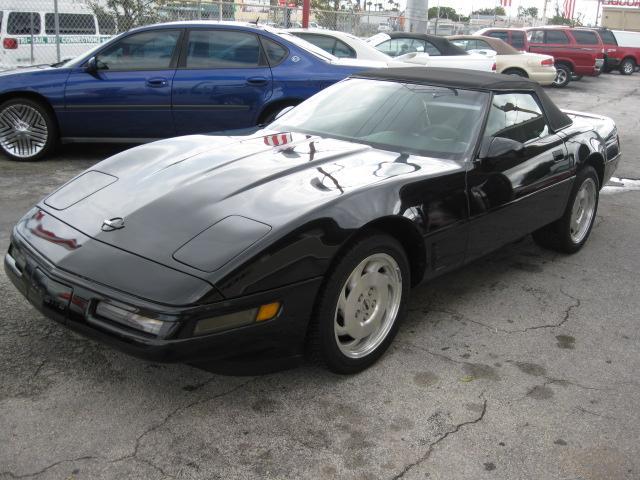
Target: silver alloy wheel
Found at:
x=628, y=67
x=23, y=130
x=561, y=77
x=368, y=305
x=584, y=208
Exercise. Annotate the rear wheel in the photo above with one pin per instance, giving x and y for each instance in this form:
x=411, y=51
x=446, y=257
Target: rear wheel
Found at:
x=516, y=71
x=360, y=306
x=570, y=233
x=628, y=66
x=563, y=76
x=27, y=129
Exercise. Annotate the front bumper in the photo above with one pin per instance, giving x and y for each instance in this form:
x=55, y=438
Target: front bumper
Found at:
x=71, y=301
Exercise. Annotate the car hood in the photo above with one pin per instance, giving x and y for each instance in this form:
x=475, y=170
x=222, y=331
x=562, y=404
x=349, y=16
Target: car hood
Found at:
x=169, y=191
x=27, y=70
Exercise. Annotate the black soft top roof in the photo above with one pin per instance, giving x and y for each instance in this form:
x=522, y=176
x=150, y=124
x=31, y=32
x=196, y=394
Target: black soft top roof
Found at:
x=441, y=43
x=471, y=80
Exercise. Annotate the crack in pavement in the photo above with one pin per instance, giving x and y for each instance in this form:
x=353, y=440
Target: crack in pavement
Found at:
x=440, y=439
x=134, y=454
x=40, y=472
x=493, y=329
x=153, y=428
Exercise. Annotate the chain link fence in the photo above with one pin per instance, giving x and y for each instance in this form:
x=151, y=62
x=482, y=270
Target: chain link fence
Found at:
x=34, y=32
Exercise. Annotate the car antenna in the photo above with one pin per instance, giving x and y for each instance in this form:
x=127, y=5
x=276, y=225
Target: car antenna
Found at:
x=256, y=21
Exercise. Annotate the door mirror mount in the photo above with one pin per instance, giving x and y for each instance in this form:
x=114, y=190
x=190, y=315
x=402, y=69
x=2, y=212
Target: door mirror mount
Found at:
x=91, y=66
x=495, y=147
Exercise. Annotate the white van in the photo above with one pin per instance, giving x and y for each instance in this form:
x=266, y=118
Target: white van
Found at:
x=28, y=32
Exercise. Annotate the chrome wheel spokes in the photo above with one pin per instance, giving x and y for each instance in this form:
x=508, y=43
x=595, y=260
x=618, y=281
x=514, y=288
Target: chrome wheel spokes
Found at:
x=23, y=130
x=583, y=210
x=368, y=305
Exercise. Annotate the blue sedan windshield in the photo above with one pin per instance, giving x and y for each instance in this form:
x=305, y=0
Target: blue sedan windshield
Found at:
x=422, y=119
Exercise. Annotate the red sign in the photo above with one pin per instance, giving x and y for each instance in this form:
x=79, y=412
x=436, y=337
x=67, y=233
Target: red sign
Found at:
x=622, y=3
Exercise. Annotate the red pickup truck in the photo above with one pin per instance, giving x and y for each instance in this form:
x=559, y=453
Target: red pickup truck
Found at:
x=616, y=57
x=576, y=52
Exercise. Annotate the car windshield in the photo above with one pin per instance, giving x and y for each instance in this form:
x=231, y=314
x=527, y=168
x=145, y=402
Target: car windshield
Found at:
x=402, y=117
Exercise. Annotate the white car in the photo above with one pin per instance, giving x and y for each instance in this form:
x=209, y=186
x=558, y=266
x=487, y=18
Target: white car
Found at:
x=429, y=51
x=345, y=45
x=385, y=27
x=340, y=44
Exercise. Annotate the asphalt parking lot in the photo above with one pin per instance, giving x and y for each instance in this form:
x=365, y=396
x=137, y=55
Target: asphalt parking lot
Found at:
x=523, y=365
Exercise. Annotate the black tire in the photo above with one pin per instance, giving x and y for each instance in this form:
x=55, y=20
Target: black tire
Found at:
x=557, y=235
x=322, y=340
x=627, y=66
x=38, y=132
x=516, y=71
x=563, y=76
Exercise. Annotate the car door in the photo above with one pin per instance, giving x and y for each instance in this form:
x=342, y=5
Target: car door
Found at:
x=128, y=94
x=516, y=191
x=222, y=82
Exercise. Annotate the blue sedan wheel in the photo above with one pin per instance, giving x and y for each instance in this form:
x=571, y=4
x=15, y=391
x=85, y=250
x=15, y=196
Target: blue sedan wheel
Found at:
x=27, y=130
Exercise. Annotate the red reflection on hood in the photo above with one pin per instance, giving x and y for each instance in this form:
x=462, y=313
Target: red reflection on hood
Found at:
x=40, y=231
x=278, y=139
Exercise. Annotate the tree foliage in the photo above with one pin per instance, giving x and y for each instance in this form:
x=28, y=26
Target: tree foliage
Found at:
x=445, y=12
x=130, y=13
x=490, y=11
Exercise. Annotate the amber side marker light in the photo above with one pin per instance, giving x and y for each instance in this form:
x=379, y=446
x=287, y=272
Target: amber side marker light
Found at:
x=268, y=311
x=237, y=319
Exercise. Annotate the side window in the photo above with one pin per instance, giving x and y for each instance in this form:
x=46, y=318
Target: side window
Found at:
x=608, y=37
x=501, y=35
x=535, y=36
x=390, y=47
x=23, y=23
x=324, y=42
x=584, y=37
x=140, y=51
x=222, y=49
x=556, y=36
x=517, y=40
x=276, y=53
x=70, y=24
x=431, y=49
x=463, y=44
x=516, y=116
x=482, y=45
x=342, y=50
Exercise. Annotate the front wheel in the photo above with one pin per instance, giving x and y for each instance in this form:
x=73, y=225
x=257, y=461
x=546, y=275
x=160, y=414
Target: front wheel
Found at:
x=360, y=306
x=627, y=67
x=27, y=130
x=563, y=76
x=570, y=233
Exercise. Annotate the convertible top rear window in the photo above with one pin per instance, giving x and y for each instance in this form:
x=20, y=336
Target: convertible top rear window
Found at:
x=405, y=117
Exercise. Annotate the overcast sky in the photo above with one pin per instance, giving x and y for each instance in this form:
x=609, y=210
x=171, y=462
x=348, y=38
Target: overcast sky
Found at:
x=586, y=7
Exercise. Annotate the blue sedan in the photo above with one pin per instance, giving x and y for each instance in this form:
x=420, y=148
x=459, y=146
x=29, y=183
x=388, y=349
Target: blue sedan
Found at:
x=161, y=81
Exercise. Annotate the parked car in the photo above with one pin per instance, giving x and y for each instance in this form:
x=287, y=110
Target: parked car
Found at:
x=385, y=27
x=617, y=57
x=341, y=44
x=576, y=52
x=307, y=236
x=510, y=61
x=79, y=29
x=164, y=80
x=428, y=50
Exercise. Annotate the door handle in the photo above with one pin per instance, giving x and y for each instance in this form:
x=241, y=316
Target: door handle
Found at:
x=558, y=155
x=257, y=81
x=157, y=82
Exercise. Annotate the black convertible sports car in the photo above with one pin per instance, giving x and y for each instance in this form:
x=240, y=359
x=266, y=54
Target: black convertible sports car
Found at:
x=308, y=235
